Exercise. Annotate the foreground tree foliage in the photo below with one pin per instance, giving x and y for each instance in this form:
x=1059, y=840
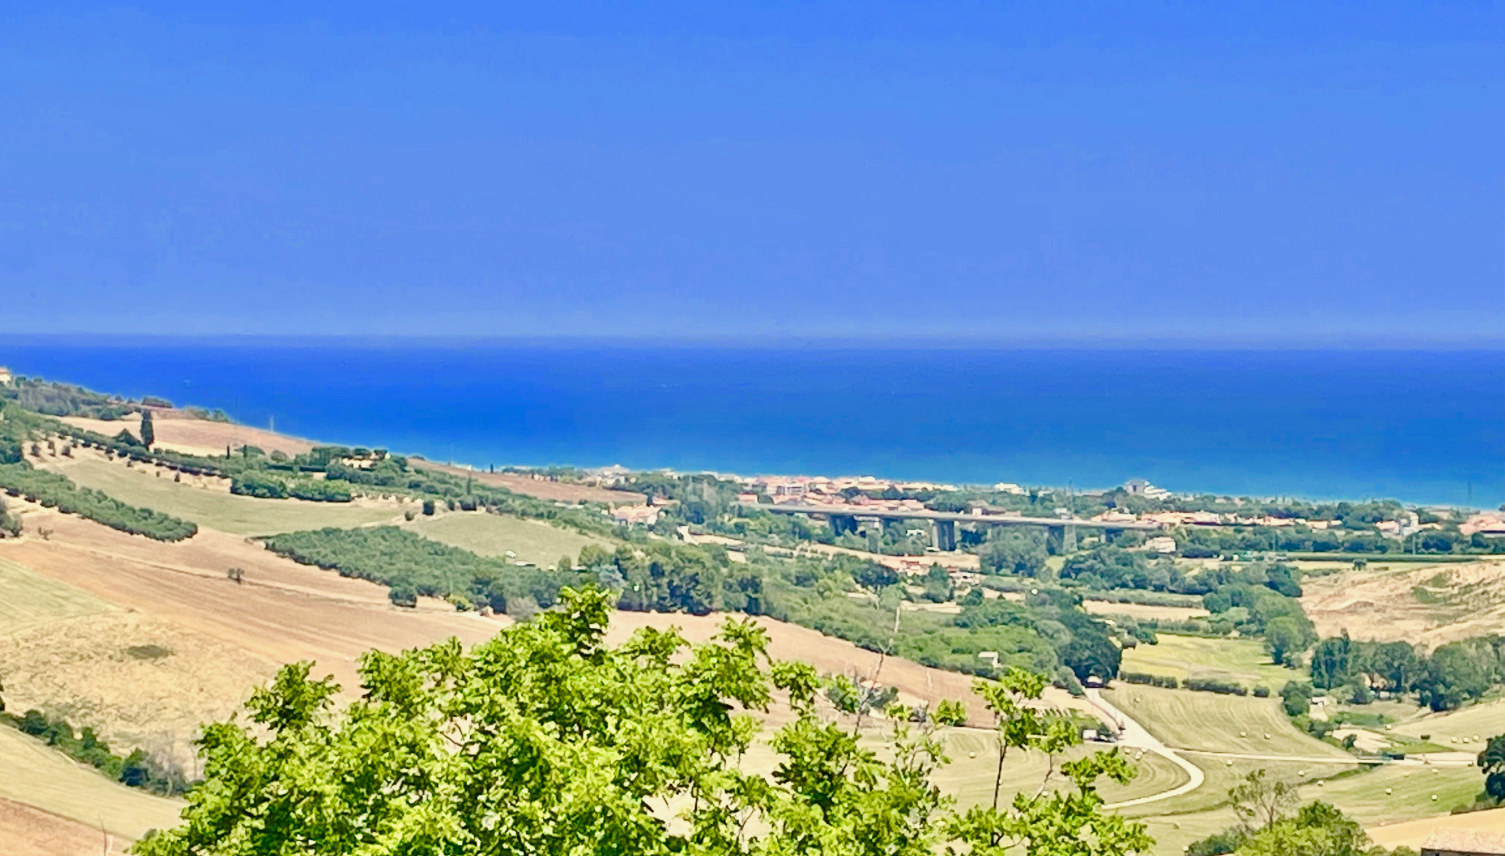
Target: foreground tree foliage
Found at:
x=545, y=740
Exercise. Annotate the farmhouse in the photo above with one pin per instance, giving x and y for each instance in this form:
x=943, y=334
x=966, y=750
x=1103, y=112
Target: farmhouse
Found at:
x=1464, y=842
x=636, y=515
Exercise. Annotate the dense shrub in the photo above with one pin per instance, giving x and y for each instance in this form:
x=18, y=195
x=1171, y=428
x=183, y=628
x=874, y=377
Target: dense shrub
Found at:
x=258, y=484
x=1167, y=681
x=320, y=491
x=1215, y=685
x=405, y=560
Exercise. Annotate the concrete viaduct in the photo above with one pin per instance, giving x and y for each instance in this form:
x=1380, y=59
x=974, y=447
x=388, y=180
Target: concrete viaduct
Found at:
x=943, y=524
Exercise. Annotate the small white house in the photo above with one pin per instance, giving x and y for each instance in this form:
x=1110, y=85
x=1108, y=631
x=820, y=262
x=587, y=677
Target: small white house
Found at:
x=5, y=376
x=1161, y=544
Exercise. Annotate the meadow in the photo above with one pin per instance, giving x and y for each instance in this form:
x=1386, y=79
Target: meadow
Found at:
x=497, y=534
x=1243, y=661
x=1209, y=722
x=215, y=507
x=1362, y=795
x=1479, y=721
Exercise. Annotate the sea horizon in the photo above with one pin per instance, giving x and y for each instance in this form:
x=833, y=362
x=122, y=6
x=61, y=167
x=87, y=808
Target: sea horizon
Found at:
x=1423, y=426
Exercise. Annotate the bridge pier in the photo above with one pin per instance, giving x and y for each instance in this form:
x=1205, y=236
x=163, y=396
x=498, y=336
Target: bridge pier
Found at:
x=943, y=535
x=843, y=523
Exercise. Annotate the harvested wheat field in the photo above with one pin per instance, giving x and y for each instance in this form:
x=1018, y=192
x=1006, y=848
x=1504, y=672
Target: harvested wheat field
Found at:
x=180, y=432
x=1143, y=611
x=1429, y=604
x=1414, y=833
x=835, y=656
x=138, y=681
x=29, y=831
x=281, y=612
x=41, y=777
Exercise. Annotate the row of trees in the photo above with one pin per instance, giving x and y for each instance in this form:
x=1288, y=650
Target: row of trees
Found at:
x=52, y=490
x=1447, y=678
x=136, y=770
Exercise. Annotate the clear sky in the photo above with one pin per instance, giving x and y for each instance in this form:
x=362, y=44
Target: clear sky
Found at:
x=1282, y=172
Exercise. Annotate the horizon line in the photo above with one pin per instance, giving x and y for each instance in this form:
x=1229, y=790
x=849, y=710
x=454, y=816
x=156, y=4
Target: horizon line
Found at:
x=749, y=341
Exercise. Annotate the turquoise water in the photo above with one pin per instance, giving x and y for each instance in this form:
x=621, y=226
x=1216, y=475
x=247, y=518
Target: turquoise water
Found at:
x=1420, y=426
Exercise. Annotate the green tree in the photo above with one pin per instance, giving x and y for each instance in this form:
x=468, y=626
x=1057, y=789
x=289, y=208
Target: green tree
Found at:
x=1296, y=697
x=1492, y=762
x=403, y=593
x=546, y=740
x=938, y=586
x=1011, y=550
x=148, y=433
x=1317, y=829
x=1286, y=639
x=1259, y=801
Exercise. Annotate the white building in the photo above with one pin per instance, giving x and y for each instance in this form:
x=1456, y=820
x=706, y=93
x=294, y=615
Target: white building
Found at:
x=1161, y=544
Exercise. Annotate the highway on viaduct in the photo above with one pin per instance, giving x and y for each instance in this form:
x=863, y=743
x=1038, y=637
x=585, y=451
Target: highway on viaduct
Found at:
x=953, y=517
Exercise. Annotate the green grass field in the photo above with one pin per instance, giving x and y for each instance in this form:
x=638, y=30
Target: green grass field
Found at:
x=38, y=776
x=1209, y=722
x=29, y=600
x=1241, y=660
x=217, y=509
x=1483, y=720
x=970, y=779
x=495, y=534
x=1363, y=798
x=1221, y=775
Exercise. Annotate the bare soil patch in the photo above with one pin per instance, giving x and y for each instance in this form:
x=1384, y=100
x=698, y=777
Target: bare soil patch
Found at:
x=1414, y=833
x=29, y=831
x=1429, y=605
x=180, y=432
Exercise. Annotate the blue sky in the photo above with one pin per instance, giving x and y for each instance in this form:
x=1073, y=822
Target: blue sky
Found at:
x=1265, y=172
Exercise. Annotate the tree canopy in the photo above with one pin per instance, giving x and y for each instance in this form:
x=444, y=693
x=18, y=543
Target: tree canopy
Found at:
x=546, y=740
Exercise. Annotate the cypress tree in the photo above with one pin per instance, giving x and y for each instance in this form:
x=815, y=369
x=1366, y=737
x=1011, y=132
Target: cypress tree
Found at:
x=148, y=436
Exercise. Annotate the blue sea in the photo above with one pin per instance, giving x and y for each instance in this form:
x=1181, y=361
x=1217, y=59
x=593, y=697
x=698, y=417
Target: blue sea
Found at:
x=1425, y=427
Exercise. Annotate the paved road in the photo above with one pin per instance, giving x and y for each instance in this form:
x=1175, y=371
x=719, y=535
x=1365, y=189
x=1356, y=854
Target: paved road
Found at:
x=1135, y=736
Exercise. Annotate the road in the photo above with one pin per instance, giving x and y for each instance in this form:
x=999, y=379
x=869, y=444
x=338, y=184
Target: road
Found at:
x=1135, y=736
